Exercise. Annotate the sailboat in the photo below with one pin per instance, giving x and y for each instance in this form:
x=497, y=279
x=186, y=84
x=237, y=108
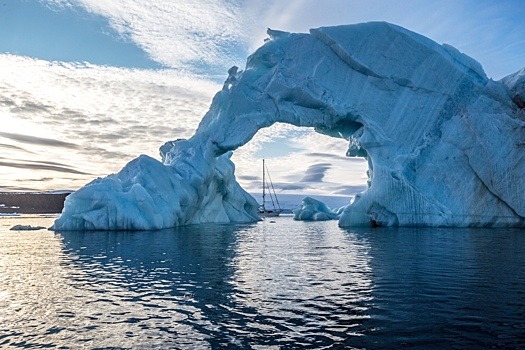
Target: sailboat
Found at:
x=268, y=186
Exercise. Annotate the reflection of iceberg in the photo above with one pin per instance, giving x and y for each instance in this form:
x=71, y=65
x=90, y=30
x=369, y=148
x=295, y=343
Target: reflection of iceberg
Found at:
x=315, y=210
x=169, y=284
x=444, y=143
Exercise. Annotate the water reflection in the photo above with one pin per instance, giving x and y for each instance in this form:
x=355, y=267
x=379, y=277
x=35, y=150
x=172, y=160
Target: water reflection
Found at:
x=224, y=286
x=446, y=288
x=163, y=288
x=286, y=284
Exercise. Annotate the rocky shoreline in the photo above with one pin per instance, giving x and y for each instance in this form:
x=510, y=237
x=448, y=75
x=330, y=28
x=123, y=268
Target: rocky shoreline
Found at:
x=32, y=202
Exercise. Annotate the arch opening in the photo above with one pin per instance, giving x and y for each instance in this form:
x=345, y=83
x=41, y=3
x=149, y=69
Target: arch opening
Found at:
x=303, y=162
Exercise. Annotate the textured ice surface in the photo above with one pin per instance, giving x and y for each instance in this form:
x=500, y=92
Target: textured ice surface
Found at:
x=149, y=195
x=315, y=210
x=445, y=144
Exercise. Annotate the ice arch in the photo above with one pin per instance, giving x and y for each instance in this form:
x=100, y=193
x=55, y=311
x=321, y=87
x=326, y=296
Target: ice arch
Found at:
x=444, y=142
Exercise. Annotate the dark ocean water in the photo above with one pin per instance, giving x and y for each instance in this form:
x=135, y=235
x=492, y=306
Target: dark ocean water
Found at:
x=270, y=285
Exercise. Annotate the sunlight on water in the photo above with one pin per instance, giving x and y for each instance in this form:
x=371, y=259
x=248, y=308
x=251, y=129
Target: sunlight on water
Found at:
x=282, y=284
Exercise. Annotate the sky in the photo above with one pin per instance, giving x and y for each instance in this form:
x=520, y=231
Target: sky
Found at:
x=88, y=85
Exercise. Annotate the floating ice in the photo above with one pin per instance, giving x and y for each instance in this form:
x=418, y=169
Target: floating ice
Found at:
x=445, y=144
x=315, y=210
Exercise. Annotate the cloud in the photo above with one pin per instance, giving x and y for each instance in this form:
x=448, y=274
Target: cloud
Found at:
x=249, y=178
x=18, y=188
x=93, y=118
x=324, y=155
x=4, y=159
x=35, y=140
x=290, y=186
x=206, y=36
x=118, y=100
x=348, y=190
x=316, y=172
x=42, y=166
x=13, y=147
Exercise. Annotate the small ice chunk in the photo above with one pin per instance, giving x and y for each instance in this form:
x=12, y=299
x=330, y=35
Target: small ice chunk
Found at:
x=315, y=210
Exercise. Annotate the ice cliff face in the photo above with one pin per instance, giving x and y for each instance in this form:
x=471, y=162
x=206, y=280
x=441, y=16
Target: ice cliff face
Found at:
x=445, y=144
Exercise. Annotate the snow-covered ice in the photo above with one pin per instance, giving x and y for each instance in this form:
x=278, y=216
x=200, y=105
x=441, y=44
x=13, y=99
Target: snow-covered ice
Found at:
x=445, y=144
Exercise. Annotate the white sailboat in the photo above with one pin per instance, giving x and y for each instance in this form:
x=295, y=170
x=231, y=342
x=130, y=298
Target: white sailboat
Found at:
x=268, y=186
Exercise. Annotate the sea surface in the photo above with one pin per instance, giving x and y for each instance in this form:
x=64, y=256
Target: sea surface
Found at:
x=276, y=284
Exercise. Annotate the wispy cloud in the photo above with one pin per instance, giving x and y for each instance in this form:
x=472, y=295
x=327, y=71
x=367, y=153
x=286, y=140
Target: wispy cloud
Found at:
x=316, y=172
x=202, y=36
x=13, y=147
x=35, y=140
x=209, y=36
x=41, y=166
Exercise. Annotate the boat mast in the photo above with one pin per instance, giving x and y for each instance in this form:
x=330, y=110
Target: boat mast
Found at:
x=264, y=186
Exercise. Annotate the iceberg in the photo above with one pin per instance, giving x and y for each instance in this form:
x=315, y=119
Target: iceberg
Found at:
x=150, y=195
x=315, y=210
x=444, y=143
